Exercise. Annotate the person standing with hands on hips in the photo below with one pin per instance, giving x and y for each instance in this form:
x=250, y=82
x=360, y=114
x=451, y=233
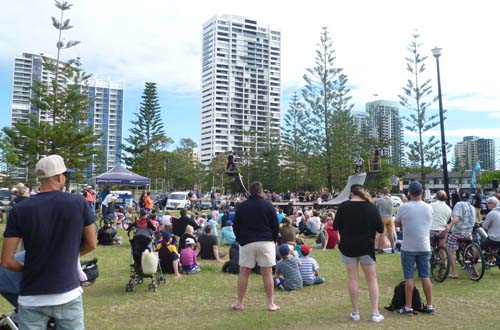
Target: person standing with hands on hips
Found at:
x=56, y=228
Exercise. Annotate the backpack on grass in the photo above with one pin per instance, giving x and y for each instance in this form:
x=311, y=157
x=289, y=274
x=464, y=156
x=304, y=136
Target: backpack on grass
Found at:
x=398, y=299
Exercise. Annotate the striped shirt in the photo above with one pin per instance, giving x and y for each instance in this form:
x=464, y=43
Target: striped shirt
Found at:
x=307, y=269
x=289, y=268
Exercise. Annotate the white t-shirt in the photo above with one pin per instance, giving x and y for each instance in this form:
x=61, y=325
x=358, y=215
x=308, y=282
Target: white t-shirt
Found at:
x=441, y=213
x=165, y=220
x=416, y=219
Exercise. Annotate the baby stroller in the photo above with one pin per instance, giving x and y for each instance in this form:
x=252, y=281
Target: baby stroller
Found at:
x=10, y=286
x=141, y=243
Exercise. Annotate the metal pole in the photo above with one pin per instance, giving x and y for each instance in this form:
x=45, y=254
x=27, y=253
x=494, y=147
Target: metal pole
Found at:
x=437, y=52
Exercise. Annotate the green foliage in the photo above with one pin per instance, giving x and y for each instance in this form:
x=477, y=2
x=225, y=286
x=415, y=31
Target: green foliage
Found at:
x=147, y=136
x=488, y=176
x=64, y=108
x=422, y=154
x=325, y=94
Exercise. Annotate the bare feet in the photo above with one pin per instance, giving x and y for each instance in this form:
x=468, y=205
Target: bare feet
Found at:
x=237, y=307
x=273, y=308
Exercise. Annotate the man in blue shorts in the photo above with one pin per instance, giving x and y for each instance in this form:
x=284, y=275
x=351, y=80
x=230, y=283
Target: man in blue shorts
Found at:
x=415, y=217
x=56, y=228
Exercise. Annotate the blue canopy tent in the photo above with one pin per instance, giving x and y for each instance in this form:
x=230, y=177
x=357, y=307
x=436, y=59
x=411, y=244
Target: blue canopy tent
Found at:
x=120, y=176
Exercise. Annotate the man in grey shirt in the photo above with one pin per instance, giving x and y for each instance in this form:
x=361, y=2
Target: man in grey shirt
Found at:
x=415, y=218
x=384, y=206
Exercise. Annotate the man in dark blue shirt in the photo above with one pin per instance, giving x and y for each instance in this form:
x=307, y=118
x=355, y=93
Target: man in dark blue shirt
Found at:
x=256, y=229
x=56, y=228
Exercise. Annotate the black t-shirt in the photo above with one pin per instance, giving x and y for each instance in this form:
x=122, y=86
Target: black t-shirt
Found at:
x=166, y=257
x=357, y=223
x=207, y=243
x=182, y=240
x=51, y=226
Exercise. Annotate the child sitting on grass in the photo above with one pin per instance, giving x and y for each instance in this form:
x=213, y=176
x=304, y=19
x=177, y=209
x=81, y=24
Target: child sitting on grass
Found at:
x=189, y=264
x=167, y=253
x=309, y=267
x=287, y=275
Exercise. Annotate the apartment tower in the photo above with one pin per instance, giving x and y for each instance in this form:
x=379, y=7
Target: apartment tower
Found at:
x=241, y=86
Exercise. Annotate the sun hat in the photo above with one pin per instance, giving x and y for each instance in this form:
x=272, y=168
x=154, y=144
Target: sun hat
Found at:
x=190, y=241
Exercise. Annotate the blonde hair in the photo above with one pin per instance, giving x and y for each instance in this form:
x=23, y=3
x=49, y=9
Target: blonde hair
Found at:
x=189, y=230
x=363, y=195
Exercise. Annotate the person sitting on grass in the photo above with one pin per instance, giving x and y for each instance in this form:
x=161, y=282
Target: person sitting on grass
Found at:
x=233, y=266
x=168, y=255
x=188, y=233
x=207, y=246
x=287, y=276
x=107, y=235
x=227, y=234
x=309, y=267
x=189, y=263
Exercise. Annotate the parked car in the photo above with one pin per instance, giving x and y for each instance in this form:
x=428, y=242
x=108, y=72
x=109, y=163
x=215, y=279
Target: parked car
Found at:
x=396, y=201
x=178, y=200
x=5, y=202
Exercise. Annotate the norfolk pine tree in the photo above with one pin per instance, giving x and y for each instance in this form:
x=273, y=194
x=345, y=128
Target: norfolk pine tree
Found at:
x=147, y=134
x=422, y=154
x=326, y=95
x=63, y=100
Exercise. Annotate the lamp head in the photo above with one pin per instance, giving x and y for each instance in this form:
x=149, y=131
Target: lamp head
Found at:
x=436, y=52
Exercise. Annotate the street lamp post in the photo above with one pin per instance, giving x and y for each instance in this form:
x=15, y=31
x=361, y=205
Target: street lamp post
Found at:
x=437, y=52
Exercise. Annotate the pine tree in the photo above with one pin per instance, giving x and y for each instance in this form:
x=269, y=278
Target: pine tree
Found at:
x=422, y=154
x=64, y=101
x=326, y=93
x=147, y=135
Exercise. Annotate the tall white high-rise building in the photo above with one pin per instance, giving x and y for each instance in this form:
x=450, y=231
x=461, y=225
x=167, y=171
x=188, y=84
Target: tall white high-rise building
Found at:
x=385, y=125
x=105, y=111
x=241, y=85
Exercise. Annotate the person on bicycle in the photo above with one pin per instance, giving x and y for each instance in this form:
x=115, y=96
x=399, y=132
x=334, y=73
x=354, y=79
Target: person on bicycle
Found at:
x=492, y=225
x=460, y=227
x=441, y=214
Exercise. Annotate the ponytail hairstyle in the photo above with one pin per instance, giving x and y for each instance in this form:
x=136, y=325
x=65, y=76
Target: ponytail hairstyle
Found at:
x=357, y=190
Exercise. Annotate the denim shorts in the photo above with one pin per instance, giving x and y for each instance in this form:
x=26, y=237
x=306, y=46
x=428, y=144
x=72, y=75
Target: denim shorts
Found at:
x=422, y=259
x=68, y=316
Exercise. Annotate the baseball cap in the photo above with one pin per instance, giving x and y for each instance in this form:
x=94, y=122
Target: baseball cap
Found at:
x=305, y=249
x=167, y=235
x=229, y=223
x=50, y=166
x=415, y=188
x=189, y=240
x=284, y=249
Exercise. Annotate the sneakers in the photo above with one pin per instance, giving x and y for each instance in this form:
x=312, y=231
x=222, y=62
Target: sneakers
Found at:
x=429, y=309
x=404, y=311
x=377, y=318
x=354, y=316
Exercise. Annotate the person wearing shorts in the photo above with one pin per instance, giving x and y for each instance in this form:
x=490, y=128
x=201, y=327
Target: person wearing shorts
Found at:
x=384, y=206
x=460, y=227
x=256, y=229
x=357, y=221
x=415, y=218
x=441, y=214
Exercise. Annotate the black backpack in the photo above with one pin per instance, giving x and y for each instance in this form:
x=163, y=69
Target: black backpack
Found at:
x=398, y=299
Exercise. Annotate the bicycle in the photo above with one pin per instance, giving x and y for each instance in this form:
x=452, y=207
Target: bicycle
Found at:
x=471, y=258
x=118, y=221
x=440, y=260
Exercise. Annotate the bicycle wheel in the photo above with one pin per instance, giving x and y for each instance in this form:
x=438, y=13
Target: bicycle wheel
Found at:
x=474, y=262
x=440, y=264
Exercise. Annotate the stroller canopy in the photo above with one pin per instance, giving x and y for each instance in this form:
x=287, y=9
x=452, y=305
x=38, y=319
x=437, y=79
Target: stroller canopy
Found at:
x=119, y=175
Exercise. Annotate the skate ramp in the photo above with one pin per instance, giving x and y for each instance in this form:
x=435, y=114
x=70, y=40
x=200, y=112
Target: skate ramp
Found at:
x=344, y=194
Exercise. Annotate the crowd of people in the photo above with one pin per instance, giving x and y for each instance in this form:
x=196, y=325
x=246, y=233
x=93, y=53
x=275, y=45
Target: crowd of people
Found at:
x=260, y=237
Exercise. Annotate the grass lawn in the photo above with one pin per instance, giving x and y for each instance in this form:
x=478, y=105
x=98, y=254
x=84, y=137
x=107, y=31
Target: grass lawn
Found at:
x=202, y=301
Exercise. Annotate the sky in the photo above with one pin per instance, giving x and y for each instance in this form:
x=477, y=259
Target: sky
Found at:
x=160, y=41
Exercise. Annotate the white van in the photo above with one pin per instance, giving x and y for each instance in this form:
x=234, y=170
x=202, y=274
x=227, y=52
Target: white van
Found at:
x=178, y=200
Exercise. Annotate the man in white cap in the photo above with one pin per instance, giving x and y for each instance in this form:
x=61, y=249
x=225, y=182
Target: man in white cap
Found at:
x=56, y=228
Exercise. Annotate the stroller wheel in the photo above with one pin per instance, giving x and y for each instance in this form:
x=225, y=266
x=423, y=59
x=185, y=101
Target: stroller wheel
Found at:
x=129, y=287
x=163, y=279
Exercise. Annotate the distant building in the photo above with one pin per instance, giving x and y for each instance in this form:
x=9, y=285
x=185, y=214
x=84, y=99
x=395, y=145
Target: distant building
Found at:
x=473, y=149
x=105, y=112
x=384, y=124
x=241, y=85
x=106, y=117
